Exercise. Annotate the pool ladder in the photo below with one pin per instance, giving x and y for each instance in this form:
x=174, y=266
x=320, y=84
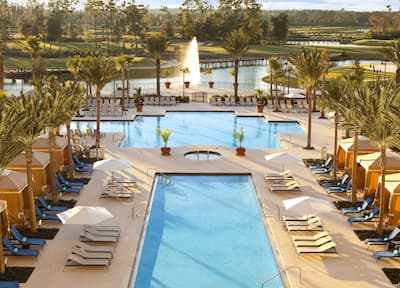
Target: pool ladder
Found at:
x=165, y=178
x=280, y=273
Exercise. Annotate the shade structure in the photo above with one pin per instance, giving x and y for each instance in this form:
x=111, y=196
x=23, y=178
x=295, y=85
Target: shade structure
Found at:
x=85, y=215
x=392, y=190
x=308, y=205
x=112, y=164
x=295, y=96
x=283, y=159
x=346, y=151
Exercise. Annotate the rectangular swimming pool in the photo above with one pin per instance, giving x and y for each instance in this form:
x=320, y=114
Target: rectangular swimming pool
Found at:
x=205, y=231
x=191, y=128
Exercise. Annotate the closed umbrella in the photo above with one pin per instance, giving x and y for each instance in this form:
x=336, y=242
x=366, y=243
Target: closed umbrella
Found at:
x=283, y=158
x=85, y=215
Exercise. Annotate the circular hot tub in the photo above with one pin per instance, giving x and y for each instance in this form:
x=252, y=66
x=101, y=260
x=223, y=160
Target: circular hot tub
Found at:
x=202, y=155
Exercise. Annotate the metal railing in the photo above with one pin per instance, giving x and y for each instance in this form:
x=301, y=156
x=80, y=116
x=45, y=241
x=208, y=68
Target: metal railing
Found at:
x=280, y=273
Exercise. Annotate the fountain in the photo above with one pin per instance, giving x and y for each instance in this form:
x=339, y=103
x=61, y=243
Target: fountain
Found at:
x=191, y=61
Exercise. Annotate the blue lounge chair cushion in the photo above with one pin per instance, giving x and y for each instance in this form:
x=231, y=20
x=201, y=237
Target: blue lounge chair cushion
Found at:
x=63, y=188
x=25, y=240
x=80, y=163
x=361, y=208
x=340, y=189
x=69, y=183
x=387, y=253
x=19, y=251
x=82, y=169
x=9, y=284
x=340, y=183
x=44, y=216
x=390, y=237
x=49, y=207
x=367, y=217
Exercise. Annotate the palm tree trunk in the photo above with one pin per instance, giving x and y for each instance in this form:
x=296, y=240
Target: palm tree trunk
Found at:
x=308, y=146
x=236, y=84
x=123, y=90
x=69, y=149
x=354, y=171
x=335, y=147
x=382, y=199
x=53, y=168
x=398, y=75
x=98, y=110
x=33, y=67
x=31, y=196
x=158, y=72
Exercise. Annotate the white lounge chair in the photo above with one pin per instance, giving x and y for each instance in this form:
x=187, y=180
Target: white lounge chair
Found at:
x=101, y=232
x=312, y=227
x=291, y=186
x=313, y=243
x=308, y=237
x=76, y=260
x=304, y=223
x=325, y=248
x=116, y=228
x=92, y=248
x=299, y=218
x=88, y=237
x=91, y=255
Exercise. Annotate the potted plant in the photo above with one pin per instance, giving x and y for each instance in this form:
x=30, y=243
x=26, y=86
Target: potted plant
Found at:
x=260, y=104
x=166, y=73
x=206, y=71
x=239, y=135
x=138, y=99
x=164, y=134
x=185, y=70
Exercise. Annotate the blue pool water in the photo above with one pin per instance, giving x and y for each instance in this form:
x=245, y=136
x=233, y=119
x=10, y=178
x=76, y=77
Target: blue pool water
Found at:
x=189, y=128
x=205, y=231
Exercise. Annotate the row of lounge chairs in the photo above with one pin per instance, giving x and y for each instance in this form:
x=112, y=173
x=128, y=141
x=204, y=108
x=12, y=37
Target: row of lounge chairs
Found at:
x=283, y=181
x=159, y=100
x=231, y=100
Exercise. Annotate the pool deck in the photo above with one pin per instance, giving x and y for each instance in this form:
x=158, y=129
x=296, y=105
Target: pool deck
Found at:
x=352, y=266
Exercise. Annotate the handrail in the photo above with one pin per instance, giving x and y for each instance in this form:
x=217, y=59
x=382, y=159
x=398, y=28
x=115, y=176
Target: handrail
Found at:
x=280, y=272
x=148, y=170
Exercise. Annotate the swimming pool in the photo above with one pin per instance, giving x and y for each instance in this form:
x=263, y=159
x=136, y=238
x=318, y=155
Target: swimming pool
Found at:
x=190, y=128
x=205, y=231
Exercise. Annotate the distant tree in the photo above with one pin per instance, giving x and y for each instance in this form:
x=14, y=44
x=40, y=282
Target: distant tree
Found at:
x=392, y=54
x=4, y=30
x=280, y=26
x=54, y=26
x=32, y=46
x=133, y=17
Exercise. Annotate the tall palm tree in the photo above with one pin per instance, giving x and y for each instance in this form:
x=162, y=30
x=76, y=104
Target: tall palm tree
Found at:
x=32, y=46
x=236, y=43
x=379, y=112
x=98, y=70
x=275, y=70
x=30, y=121
x=156, y=45
x=122, y=62
x=308, y=67
x=393, y=54
x=73, y=64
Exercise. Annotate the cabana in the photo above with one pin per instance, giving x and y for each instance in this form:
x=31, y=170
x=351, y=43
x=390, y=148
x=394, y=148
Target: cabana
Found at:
x=13, y=186
x=392, y=190
x=345, y=153
x=372, y=169
x=40, y=165
x=61, y=153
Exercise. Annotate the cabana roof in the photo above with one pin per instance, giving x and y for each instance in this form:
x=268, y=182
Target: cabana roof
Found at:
x=392, y=182
x=39, y=159
x=12, y=181
x=43, y=142
x=371, y=162
x=364, y=144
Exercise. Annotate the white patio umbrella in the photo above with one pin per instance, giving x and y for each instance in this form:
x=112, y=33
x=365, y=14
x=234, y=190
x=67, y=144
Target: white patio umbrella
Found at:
x=283, y=158
x=85, y=215
x=295, y=96
x=112, y=164
x=308, y=205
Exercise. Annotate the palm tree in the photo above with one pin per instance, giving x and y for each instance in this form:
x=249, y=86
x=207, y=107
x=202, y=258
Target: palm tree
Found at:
x=73, y=64
x=236, y=43
x=275, y=70
x=98, y=70
x=156, y=44
x=122, y=63
x=30, y=121
x=32, y=46
x=60, y=102
x=308, y=67
x=393, y=54
x=332, y=97
x=379, y=112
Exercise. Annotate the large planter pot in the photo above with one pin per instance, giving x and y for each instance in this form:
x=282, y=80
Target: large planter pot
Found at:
x=240, y=151
x=167, y=85
x=139, y=107
x=211, y=84
x=187, y=84
x=165, y=151
x=260, y=108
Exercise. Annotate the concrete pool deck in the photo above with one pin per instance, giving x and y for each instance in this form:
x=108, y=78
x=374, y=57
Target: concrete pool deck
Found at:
x=352, y=266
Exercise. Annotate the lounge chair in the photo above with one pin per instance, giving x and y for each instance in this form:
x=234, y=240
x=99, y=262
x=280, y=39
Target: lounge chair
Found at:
x=312, y=227
x=391, y=253
x=88, y=237
x=9, y=284
x=300, y=218
x=358, y=209
x=285, y=175
x=25, y=240
x=92, y=248
x=69, y=183
x=19, y=251
x=82, y=169
x=329, y=247
x=115, y=228
x=383, y=240
x=76, y=260
x=308, y=222
x=49, y=207
x=101, y=232
x=90, y=255
x=326, y=164
x=66, y=189
x=308, y=237
x=319, y=171
x=80, y=163
x=340, y=183
x=313, y=243
x=366, y=218
x=292, y=186
x=44, y=216
x=115, y=194
x=341, y=189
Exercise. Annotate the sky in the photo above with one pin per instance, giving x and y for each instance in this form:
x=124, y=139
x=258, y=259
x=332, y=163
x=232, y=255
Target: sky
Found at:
x=357, y=5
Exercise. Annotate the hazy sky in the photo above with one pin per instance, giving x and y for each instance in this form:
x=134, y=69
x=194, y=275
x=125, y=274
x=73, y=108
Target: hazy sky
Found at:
x=357, y=5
